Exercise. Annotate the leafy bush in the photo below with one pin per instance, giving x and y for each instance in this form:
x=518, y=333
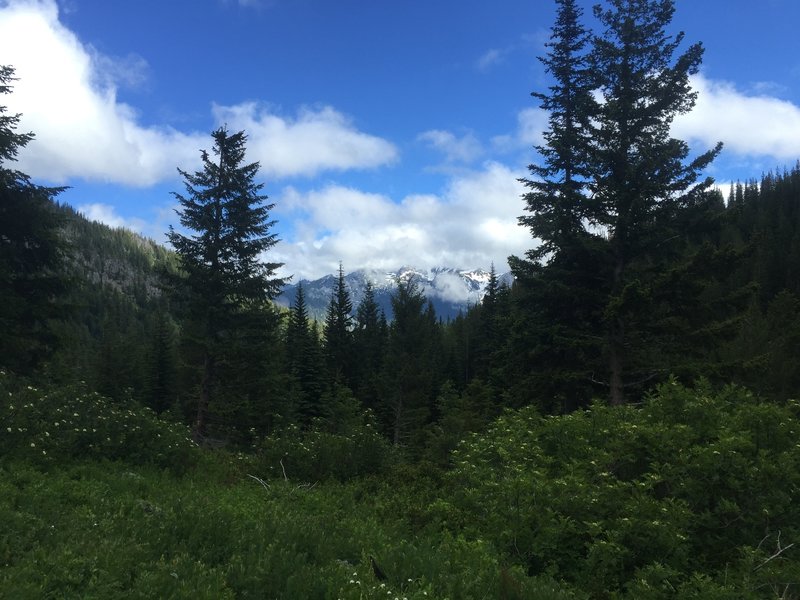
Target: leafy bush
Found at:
x=91, y=530
x=345, y=445
x=692, y=491
x=48, y=425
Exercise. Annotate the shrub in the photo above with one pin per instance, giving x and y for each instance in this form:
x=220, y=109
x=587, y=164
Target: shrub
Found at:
x=344, y=445
x=672, y=495
x=49, y=425
x=316, y=454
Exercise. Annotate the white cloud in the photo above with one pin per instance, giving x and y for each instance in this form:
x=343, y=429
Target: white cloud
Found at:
x=462, y=149
x=490, y=58
x=252, y=3
x=67, y=97
x=751, y=125
x=451, y=287
x=531, y=125
x=321, y=139
x=131, y=71
x=472, y=223
x=155, y=227
x=106, y=214
x=67, y=94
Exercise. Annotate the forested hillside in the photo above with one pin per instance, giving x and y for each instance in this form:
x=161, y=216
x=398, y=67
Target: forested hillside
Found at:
x=621, y=421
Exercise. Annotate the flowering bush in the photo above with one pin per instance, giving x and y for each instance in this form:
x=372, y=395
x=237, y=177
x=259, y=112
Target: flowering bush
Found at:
x=686, y=496
x=47, y=425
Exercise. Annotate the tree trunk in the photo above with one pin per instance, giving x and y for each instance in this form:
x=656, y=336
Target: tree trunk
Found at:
x=616, y=393
x=205, y=395
x=616, y=340
x=398, y=416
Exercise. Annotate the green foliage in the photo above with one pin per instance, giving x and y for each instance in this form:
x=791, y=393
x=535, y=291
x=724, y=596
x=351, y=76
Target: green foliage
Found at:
x=226, y=285
x=94, y=530
x=55, y=424
x=610, y=203
x=338, y=335
x=369, y=346
x=344, y=445
x=690, y=491
x=410, y=377
x=459, y=415
x=640, y=273
x=31, y=251
x=305, y=363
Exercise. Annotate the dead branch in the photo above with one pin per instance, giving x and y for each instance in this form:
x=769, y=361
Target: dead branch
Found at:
x=259, y=480
x=778, y=552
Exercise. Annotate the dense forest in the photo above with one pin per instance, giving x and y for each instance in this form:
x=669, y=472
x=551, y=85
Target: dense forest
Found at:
x=620, y=422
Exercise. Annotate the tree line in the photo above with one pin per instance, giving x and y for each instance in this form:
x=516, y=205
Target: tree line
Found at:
x=639, y=270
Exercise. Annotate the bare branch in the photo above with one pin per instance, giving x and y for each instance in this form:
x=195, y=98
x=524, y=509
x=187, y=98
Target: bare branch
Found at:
x=778, y=551
x=259, y=480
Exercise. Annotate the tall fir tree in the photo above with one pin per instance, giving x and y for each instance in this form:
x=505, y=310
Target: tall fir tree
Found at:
x=623, y=188
x=557, y=189
x=553, y=343
x=490, y=326
x=369, y=345
x=31, y=252
x=338, y=334
x=225, y=280
x=162, y=364
x=412, y=369
x=643, y=180
x=304, y=362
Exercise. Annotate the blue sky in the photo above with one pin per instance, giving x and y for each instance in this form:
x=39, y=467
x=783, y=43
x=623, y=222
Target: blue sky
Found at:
x=389, y=133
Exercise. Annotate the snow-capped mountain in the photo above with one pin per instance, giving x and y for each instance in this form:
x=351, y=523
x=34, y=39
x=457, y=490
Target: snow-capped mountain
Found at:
x=450, y=290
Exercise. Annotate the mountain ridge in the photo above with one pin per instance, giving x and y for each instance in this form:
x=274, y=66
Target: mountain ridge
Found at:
x=451, y=290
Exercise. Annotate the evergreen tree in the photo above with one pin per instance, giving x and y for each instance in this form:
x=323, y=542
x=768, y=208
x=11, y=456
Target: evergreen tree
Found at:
x=490, y=325
x=254, y=386
x=304, y=361
x=225, y=281
x=611, y=198
x=556, y=196
x=369, y=344
x=120, y=369
x=162, y=368
x=553, y=342
x=464, y=347
x=30, y=252
x=297, y=330
x=642, y=179
x=338, y=335
x=411, y=374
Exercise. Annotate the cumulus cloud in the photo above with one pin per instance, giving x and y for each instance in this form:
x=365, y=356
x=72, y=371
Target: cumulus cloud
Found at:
x=67, y=94
x=318, y=139
x=472, y=223
x=748, y=124
x=531, y=125
x=462, y=149
x=751, y=124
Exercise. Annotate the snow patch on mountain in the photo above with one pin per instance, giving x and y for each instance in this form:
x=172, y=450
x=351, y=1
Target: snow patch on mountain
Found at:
x=450, y=290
